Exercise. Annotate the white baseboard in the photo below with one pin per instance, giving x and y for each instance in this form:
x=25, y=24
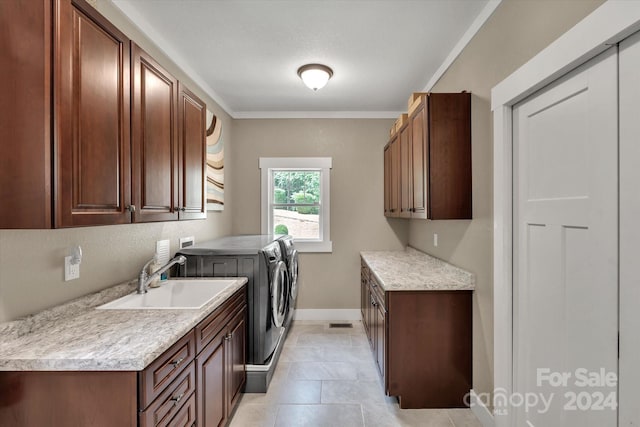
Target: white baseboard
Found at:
x=327, y=314
x=481, y=411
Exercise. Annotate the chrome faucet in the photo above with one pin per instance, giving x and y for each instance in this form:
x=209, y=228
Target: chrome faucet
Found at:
x=145, y=278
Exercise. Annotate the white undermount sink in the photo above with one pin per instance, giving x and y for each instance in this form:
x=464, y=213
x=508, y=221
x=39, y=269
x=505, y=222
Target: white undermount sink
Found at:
x=173, y=294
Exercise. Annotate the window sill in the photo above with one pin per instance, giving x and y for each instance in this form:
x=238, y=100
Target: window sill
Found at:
x=314, y=247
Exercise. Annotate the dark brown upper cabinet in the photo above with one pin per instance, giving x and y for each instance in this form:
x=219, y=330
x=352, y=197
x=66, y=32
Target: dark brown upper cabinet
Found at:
x=392, y=178
x=387, y=180
x=449, y=149
x=419, y=161
x=95, y=132
x=154, y=140
x=406, y=197
x=91, y=95
x=434, y=169
x=25, y=114
x=192, y=134
x=65, y=116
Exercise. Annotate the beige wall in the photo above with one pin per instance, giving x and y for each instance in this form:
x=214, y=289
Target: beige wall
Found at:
x=515, y=33
x=330, y=280
x=31, y=261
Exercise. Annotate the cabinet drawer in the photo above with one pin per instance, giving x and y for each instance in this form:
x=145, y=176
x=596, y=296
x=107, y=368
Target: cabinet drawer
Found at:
x=378, y=292
x=209, y=327
x=170, y=402
x=165, y=369
x=364, y=269
x=186, y=416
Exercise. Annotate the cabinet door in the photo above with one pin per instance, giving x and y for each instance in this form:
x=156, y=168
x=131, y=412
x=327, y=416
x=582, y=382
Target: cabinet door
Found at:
x=237, y=351
x=192, y=118
x=25, y=114
x=450, y=156
x=406, y=198
x=154, y=140
x=366, y=307
x=380, y=338
x=212, y=383
x=387, y=180
x=363, y=296
x=371, y=319
x=394, y=178
x=419, y=160
x=91, y=92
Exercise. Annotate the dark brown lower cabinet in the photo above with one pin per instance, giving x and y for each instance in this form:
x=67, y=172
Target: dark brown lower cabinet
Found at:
x=196, y=382
x=381, y=327
x=212, y=383
x=421, y=342
x=100, y=399
x=376, y=323
x=221, y=372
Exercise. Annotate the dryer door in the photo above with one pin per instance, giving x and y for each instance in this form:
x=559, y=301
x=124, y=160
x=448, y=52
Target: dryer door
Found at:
x=293, y=276
x=278, y=294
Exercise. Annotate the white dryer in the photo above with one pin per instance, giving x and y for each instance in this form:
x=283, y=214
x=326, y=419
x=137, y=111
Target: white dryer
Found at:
x=290, y=257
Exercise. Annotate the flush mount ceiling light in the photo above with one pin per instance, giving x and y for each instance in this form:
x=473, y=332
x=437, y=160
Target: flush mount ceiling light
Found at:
x=315, y=76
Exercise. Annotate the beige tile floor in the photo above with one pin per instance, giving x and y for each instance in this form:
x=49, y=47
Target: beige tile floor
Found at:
x=328, y=378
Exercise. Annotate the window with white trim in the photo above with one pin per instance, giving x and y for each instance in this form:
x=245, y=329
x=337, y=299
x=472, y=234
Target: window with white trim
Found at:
x=296, y=201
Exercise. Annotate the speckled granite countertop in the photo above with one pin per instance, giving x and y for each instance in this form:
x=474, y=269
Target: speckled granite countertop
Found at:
x=77, y=337
x=412, y=270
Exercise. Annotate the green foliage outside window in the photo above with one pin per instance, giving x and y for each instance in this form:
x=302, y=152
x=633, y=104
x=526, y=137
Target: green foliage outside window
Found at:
x=299, y=187
x=281, y=229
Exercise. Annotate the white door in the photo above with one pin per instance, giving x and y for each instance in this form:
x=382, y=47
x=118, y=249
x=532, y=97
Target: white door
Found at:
x=566, y=250
x=629, y=391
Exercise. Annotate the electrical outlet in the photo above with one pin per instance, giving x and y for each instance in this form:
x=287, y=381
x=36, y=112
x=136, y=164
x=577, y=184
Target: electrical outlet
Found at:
x=435, y=240
x=71, y=270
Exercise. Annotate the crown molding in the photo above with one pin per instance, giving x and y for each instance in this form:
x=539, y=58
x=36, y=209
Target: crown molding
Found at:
x=484, y=15
x=156, y=38
x=316, y=114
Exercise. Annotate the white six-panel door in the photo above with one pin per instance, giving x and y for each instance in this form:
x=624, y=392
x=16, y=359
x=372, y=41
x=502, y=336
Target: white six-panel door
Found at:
x=565, y=284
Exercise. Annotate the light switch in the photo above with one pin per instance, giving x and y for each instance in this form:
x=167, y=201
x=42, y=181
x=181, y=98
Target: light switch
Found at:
x=435, y=239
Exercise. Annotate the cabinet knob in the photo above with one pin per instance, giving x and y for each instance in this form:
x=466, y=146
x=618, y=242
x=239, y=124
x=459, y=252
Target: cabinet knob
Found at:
x=228, y=337
x=182, y=209
x=131, y=208
x=176, y=363
x=177, y=399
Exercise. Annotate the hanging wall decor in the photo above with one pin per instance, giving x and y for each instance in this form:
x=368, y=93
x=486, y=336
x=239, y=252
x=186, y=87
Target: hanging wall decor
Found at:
x=215, y=164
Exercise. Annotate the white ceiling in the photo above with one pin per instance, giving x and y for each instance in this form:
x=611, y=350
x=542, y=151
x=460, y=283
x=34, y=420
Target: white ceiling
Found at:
x=245, y=54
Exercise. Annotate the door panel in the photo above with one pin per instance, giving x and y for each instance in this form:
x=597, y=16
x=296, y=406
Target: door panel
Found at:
x=565, y=260
x=406, y=198
x=25, y=114
x=420, y=165
x=92, y=129
x=212, y=384
x=237, y=349
x=629, y=231
x=387, y=180
x=193, y=155
x=394, y=180
x=154, y=140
